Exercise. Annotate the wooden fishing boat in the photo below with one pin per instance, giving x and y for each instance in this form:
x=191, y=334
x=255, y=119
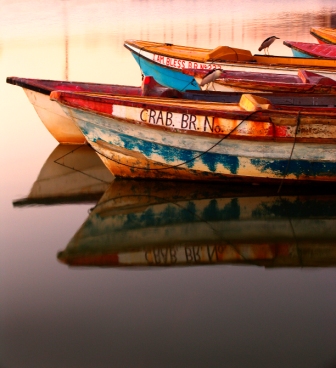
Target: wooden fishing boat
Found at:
x=276, y=98
x=192, y=224
x=312, y=50
x=58, y=124
x=71, y=174
x=164, y=62
x=324, y=35
x=65, y=131
x=228, y=80
x=161, y=138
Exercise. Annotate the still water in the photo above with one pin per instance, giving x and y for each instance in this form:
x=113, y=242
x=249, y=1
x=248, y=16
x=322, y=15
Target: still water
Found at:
x=84, y=259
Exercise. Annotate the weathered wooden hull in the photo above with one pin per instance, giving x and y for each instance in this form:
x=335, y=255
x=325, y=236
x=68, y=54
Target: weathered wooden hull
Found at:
x=312, y=50
x=165, y=65
x=304, y=82
x=186, y=224
x=324, y=35
x=63, y=129
x=52, y=116
x=59, y=125
x=71, y=174
x=154, y=138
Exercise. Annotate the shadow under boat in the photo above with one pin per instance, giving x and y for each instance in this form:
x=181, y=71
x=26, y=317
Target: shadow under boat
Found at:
x=71, y=174
x=153, y=223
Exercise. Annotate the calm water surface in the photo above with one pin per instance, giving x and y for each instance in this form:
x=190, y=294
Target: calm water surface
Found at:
x=251, y=281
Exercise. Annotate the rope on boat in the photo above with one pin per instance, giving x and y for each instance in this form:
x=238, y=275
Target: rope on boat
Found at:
x=72, y=168
x=185, y=162
x=290, y=156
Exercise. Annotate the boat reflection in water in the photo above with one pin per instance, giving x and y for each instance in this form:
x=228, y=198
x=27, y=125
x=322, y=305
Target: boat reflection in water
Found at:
x=183, y=224
x=71, y=174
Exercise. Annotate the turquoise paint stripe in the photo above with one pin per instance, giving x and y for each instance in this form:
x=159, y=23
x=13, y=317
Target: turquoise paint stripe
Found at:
x=168, y=77
x=267, y=166
x=299, y=54
x=296, y=167
x=101, y=127
x=278, y=167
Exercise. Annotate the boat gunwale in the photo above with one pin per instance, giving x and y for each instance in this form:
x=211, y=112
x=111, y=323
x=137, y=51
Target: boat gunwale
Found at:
x=166, y=104
x=318, y=141
x=278, y=85
x=275, y=84
x=30, y=86
x=255, y=62
x=41, y=85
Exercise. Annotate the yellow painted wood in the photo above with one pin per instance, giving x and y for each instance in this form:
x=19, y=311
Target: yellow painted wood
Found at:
x=253, y=103
x=325, y=33
x=225, y=53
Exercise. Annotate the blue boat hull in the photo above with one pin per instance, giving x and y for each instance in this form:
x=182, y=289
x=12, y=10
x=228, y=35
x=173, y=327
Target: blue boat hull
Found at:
x=299, y=54
x=168, y=77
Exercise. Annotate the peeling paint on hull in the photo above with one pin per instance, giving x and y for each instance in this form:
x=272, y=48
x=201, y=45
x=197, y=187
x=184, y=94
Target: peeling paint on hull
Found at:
x=63, y=129
x=137, y=151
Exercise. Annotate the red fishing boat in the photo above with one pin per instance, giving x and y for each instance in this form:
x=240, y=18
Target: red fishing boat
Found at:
x=228, y=80
x=312, y=50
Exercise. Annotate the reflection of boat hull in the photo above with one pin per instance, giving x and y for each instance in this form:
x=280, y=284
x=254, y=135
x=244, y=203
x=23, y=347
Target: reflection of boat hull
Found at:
x=159, y=224
x=71, y=174
x=277, y=255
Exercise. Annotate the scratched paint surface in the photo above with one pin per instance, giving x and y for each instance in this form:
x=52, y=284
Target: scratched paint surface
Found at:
x=323, y=128
x=266, y=160
x=241, y=119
